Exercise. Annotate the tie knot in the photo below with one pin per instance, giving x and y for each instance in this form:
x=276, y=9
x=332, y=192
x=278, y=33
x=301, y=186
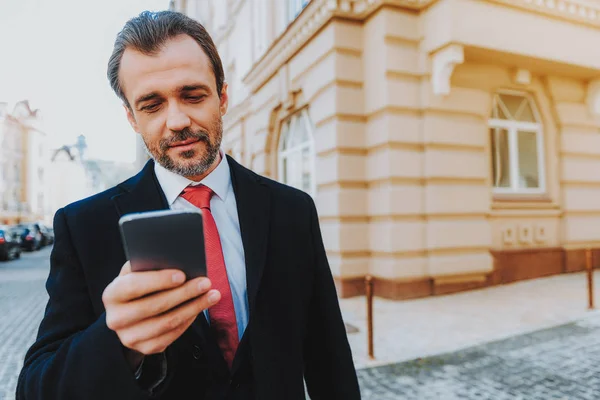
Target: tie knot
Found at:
x=198, y=195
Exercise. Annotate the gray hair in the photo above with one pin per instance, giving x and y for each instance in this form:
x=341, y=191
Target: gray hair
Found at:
x=149, y=31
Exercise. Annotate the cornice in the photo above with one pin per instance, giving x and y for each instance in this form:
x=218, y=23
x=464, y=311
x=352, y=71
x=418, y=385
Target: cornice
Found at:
x=580, y=11
x=314, y=16
x=319, y=12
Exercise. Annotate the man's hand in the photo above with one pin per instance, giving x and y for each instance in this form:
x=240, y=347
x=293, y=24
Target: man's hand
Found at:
x=150, y=310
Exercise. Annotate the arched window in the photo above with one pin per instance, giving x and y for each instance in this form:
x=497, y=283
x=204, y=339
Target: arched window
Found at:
x=517, y=144
x=296, y=153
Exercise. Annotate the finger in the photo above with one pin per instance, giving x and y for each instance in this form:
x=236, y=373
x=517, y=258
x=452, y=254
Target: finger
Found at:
x=107, y=294
x=126, y=269
x=159, y=303
x=160, y=344
x=138, y=284
x=157, y=326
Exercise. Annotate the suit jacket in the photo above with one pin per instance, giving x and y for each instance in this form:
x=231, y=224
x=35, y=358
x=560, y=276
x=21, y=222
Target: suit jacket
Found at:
x=295, y=329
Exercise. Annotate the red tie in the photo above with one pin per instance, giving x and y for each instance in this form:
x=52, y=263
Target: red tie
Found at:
x=222, y=314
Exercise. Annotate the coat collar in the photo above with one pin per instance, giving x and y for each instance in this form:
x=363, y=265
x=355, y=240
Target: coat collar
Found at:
x=172, y=184
x=141, y=193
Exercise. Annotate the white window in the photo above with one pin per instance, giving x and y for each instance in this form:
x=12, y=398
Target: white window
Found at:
x=294, y=8
x=517, y=145
x=220, y=15
x=259, y=27
x=297, y=153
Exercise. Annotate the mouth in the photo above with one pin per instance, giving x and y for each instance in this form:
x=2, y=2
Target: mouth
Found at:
x=185, y=144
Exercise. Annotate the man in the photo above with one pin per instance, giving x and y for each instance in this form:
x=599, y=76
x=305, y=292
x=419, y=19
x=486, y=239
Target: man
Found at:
x=267, y=317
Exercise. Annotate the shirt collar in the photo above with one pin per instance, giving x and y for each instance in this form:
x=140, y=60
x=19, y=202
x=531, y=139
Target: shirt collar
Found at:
x=172, y=184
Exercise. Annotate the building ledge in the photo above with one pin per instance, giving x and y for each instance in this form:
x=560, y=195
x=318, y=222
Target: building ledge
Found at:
x=318, y=13
x=311, y=20
x=580, y=11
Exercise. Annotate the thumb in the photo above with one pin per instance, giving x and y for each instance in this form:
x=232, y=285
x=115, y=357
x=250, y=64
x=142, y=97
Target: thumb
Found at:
x=126, y=269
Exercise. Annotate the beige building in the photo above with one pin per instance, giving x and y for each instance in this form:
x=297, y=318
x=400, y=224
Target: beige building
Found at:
x=23, y=163
x=449, y=144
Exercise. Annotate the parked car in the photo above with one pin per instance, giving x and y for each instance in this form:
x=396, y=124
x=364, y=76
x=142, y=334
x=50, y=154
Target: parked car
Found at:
x=31, y=237
x=50, y=234
x=10, y=243
x=47, y=233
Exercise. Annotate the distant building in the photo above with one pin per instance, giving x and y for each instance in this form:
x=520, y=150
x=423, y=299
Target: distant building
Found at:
x=449, y=144
x=68, y=178
x=23, y=164
x=74, y=176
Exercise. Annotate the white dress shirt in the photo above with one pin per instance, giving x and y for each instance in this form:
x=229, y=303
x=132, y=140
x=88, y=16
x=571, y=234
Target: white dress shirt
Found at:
x=224, y=210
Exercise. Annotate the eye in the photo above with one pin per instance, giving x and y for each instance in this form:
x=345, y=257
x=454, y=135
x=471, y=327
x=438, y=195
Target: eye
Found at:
x=150, y=108
x=196, y=99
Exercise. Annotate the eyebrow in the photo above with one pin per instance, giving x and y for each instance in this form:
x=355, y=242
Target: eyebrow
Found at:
x=190, y=88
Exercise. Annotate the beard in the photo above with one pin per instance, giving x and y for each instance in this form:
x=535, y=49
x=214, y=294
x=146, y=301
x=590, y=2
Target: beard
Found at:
x=195, y=162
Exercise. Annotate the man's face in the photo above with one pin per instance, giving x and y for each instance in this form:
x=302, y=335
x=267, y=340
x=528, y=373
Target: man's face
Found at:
x=175, y=106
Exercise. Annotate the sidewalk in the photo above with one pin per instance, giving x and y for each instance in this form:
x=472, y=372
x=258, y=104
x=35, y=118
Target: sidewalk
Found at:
x=405, y=330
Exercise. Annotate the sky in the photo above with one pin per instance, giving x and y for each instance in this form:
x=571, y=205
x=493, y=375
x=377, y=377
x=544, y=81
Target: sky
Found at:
x=54, y=53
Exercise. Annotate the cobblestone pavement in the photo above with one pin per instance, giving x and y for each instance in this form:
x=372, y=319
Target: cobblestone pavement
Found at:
x=557, y=363
x=22, y=301
x=406, y=330
x=562, y=362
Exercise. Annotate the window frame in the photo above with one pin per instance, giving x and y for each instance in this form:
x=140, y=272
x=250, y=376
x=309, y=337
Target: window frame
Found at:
x=513, y=127
x=304, y=118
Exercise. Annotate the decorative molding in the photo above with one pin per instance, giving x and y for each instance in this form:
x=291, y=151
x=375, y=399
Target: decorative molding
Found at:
x=314, y=17
x=521, y=76
x=508, y=236
x=574, y=10
x=525, y=234
x=444, y=61
x=593, y=97
x=362, y=8
x=540, y=234
x=320, y=12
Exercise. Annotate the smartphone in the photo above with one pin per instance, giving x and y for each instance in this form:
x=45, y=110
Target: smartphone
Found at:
x=168, y=239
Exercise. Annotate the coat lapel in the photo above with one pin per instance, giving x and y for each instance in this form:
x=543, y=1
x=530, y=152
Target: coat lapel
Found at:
x=253, y=205
x=141, y=193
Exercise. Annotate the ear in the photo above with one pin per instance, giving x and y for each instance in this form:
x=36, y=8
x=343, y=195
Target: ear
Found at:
x=131, y=118
x=224, y=99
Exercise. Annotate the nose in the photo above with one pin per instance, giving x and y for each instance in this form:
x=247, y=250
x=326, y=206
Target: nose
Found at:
x=177, y=119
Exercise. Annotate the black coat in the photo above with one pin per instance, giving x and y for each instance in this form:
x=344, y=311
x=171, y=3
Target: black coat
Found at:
x=295, y=329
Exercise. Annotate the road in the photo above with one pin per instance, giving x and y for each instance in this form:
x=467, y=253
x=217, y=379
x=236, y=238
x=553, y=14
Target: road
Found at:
x=558, y=363
x=22, y=301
